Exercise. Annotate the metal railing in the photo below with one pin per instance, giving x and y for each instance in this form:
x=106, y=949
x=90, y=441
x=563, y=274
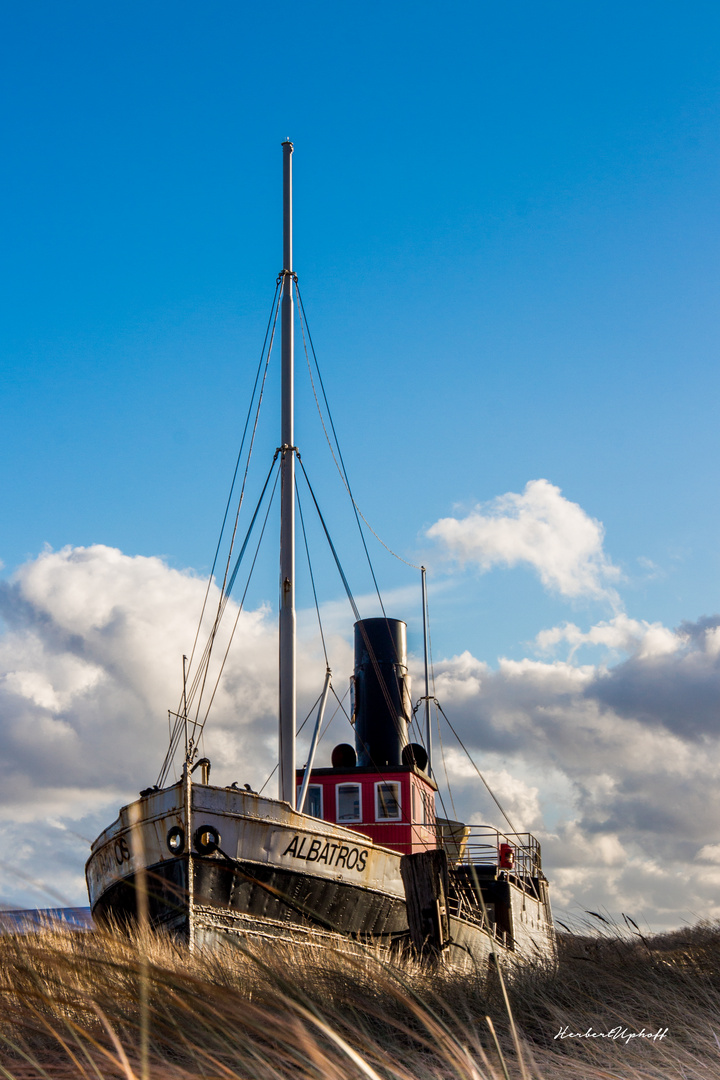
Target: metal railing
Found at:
x=482, y=847
x=465, y=845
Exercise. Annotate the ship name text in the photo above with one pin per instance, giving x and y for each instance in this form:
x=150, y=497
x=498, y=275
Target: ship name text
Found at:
x=327, y=851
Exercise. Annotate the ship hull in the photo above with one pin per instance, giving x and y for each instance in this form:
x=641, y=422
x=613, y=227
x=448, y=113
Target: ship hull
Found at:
x=243, y=893
x=276, y=874
x=271, y=864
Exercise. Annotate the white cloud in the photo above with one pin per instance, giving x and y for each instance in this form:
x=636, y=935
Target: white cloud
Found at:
x=616, y=768
x=620, y=634
x=90, y=662
x=540, y=528
x=710, y=853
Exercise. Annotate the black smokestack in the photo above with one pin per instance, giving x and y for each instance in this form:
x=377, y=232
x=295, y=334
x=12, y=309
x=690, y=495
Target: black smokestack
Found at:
x=382, y=691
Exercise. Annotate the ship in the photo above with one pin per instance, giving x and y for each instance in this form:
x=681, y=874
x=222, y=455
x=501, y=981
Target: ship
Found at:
x=351, y=853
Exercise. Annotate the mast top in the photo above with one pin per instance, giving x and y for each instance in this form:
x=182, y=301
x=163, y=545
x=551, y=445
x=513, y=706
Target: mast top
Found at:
x=287, y=221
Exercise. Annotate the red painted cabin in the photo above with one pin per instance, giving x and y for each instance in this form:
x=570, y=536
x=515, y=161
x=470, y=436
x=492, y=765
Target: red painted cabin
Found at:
x=394, y=807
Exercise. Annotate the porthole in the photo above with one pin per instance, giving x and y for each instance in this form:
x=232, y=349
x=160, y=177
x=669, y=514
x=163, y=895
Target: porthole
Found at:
x=206, y=839
x=176, y=840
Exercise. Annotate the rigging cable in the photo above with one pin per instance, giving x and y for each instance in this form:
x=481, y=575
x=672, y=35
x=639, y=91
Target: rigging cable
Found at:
x=439, y=793
x=271, y=321
x=252, y=443
x=469, y=757
x=442, y=755
x=269, y=331
x=343, y=474
x=343, y=471
x=341, y=706
x=371, y=653
x=227, y=588
x=240, y=606
x=437, y=715
x=340, y=570
x=351, y=598
x=440, y=710
x=312, y=576
x=204, y=661
x=312, y=710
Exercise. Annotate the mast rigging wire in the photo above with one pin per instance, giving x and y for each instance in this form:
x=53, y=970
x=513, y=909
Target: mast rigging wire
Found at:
x=271, y=321
x=180, y=718
x=312, y=710
x=205, y=661
x=342, y=471
x=351, y=598
x=202, y=669
x=250, y=448
x=312, y=576
x=226, y=588
x=371, y=653
x=447, y=778
x=240, y=608
x=346, y=481
x=469, y=757
x=439, y=711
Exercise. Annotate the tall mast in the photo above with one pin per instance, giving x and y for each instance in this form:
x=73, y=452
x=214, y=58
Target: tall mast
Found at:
x=287, y=502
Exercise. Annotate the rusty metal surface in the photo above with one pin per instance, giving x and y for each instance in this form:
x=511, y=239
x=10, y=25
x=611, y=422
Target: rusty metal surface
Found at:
x=251, y=828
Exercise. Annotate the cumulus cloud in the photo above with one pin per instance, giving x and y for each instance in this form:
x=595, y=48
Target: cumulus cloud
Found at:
x=90, y=663
x=621, y=634
x=541, y=529
x=677, y=690
x=622, y=763
x=613, y=764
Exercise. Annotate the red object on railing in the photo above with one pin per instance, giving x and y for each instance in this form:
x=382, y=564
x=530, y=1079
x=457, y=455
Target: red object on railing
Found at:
x=506, y=860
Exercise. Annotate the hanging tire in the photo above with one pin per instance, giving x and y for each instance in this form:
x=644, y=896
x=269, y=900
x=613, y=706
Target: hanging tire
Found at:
x=176, y=840
x=206, y=839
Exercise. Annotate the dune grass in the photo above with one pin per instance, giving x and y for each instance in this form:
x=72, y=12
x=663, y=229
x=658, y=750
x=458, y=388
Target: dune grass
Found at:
x=100, y=1005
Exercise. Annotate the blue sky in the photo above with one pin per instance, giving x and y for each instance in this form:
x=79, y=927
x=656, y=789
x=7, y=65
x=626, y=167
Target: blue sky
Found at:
x=506, y=236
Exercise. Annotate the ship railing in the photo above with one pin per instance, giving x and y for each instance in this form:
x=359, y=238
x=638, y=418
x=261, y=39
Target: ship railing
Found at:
x=465, y=845
x=519, y=853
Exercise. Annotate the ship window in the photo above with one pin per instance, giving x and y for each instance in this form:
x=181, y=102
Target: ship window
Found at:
x=349, y=806
x=387, y=802
x=314, y=800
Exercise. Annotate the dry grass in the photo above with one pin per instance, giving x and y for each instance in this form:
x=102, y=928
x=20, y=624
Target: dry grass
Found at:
x=105, y=1005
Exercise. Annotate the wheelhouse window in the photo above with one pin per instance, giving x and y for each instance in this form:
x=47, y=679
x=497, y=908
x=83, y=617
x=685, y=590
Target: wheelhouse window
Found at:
x=387, y=801
x=314, y=800
x=349, y=803
x=422, y=806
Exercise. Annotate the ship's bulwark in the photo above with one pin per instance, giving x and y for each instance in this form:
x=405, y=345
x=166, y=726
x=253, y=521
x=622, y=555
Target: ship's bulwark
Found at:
x=242, y=894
